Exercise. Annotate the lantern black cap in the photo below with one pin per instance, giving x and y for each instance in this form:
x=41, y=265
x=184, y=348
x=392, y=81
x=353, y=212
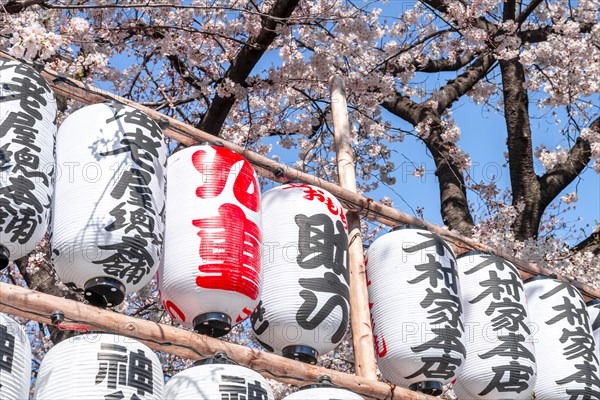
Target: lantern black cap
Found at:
x=4, y=257
x=431, y=388
x=104, y=292
x=219, y=358
x=213, y=324
x=540, y=277
x=301, y=353
x=407, y=226
x=324, y=382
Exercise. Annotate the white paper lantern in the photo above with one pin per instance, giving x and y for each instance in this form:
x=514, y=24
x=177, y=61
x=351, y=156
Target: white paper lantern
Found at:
x=100, y=366
x=323, y=391
x=218, y=381
x=305, y=303
x=567, y=365
x=415, y=309
x=500, y=361
x=108, y=210
x=15, y=360
x=27, y=133
x=593, y=308
x=211, y=278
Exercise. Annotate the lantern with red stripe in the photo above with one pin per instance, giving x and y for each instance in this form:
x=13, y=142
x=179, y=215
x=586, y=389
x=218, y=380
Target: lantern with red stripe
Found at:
x=567, y=365
x=27, y=171
x=218, y=378
x=324, y=390
x=416, y=309
x=501, y=359
x=108, y=210
x=305, y=303
x=593, y=308
x=211, y=277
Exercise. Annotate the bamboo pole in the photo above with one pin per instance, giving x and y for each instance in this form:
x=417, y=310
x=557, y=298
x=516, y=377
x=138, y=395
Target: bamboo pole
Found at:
x=273, y=170
x=360, y=316
x=39, y=306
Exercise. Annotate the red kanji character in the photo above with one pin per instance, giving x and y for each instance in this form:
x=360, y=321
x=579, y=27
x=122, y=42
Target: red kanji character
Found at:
x=173, y=310
x=230, y=249
x=216, y=173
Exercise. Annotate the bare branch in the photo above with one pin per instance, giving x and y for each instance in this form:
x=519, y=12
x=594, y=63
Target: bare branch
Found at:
x=541, y=34
x=446, y=65
x=15, y=6
x=243, y=64
x=591, y=243
x=558, y=178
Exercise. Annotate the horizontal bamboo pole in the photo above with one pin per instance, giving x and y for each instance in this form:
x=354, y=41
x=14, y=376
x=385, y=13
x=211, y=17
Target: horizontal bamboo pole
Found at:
x=38, y=306
x=270, y=169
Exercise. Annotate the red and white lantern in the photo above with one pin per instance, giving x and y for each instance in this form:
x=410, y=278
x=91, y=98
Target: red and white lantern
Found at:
x=501, y=358
x=218, y=379
x=108, y=211
x=567, y=365
x=211, y=277
x=593, y=308
x=99, y=366
x=416, y=309
x=27, y=133
x=304, y=308
x=15, y=360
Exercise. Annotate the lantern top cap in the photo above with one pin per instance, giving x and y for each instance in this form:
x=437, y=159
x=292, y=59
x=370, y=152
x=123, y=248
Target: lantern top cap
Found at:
x=540, y=277
x=324, y=381
x=475, y=253
x=407, y=226
x=220, y=357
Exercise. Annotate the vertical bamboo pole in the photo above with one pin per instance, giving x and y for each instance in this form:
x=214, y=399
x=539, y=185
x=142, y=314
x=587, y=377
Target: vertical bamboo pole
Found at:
x=360, y=317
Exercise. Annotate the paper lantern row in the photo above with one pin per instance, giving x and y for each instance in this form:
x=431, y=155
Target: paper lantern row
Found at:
x=93, y=366
x=438, y=319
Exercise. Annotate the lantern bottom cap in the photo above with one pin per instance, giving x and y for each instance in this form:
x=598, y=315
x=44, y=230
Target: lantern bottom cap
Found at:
x=213, y=324
x=305, y=354
x=432, y=388
x=104, y=292
x=4, y=257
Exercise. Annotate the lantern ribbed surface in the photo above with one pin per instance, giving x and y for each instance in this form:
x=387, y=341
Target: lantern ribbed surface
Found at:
x=594, y=313
x=15, y=360
x=501, y=359
x=304, y=309
x=211, y=278
x=416, y=310
x=218, y=382
x=323, y=393
x=108, y=221
x=100, y=366
x=27, y=170
x=567, y=365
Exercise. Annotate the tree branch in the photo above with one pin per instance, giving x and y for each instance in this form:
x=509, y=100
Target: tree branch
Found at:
x=446, y=65
x=244, y=62
x=541, y=34
x=15, y=6
x=561, y=175
x=591, y=243
x=456, y=88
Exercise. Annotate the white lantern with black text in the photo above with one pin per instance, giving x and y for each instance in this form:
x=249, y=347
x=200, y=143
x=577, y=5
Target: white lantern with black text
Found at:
x=305, y=303
x=108, y=210
x=15, y=360
x=211, y=277
x=215, y=379
x=100, y=366
x=593, y=308
x=323, y=390
x=501, y=358
x=27, y=133
x=567, y=365
x=416, y=310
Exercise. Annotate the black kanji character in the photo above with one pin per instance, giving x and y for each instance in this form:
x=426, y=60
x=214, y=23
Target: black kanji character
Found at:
x=496, y=287
x=511, y=346
x=434, y=241
x=511, y=315
x=518, y=378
